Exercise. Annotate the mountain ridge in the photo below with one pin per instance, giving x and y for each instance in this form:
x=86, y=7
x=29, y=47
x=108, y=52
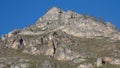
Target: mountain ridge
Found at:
x=70, y=22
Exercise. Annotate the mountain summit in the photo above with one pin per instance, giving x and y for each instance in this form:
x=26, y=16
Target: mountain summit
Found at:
x=74, y=24
x=62, y=39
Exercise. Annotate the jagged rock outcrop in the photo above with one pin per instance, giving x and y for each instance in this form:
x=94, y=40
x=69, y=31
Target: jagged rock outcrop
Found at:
x=13, y=40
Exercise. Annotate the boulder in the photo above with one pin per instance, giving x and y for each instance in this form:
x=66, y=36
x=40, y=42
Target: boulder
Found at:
x=86, y=65
x=99, y=62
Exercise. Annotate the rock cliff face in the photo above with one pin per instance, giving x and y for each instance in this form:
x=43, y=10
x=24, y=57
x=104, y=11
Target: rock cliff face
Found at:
x=61, y=38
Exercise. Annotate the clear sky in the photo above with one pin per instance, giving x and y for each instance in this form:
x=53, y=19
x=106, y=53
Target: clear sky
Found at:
x=20, y=13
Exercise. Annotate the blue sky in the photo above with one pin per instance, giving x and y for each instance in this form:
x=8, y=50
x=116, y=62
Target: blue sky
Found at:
x=21, y=13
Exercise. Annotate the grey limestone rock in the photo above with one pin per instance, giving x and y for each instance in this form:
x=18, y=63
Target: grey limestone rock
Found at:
x=99, y=62
x=86, y=65
x=115, y=61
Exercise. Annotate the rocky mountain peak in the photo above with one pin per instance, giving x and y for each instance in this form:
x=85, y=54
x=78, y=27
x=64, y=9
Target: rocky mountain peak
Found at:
x=74, y=24
x=53, y=13
x=54, y=10
x=79, y=41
